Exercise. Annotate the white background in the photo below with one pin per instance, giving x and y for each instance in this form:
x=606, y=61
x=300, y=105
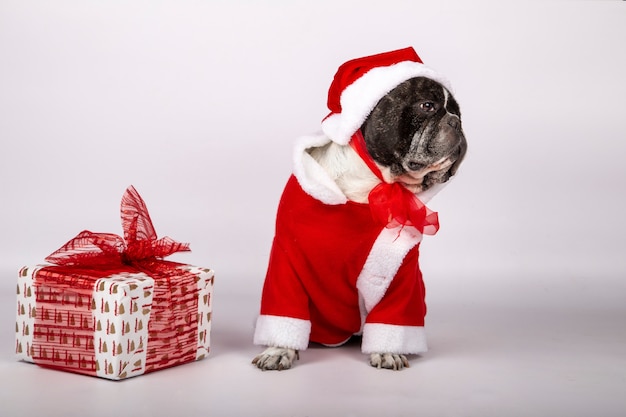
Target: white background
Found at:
x=197, y=104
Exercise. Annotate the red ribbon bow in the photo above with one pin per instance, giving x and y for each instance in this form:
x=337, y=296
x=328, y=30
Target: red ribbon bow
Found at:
x=106, y=249
x=392, y=204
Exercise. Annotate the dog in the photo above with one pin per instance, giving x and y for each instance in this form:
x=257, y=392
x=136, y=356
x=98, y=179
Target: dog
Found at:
x=314, y=291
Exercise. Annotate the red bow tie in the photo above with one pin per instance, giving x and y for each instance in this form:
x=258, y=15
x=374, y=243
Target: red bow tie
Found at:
x=392, y=204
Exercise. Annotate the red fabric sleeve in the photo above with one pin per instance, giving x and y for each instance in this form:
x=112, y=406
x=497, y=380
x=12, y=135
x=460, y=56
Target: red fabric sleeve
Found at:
x=403, y=303
x=283, y=293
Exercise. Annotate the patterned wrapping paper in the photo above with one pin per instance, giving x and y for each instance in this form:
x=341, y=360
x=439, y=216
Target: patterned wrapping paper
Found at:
x=110, y=306
x=114, y=327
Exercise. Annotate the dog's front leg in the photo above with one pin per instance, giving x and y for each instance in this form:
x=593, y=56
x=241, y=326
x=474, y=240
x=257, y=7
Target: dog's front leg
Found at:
x=389, y=361
x=275, y=359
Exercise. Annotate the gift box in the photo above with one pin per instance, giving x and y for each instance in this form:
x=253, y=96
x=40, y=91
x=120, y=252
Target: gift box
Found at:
x=111, y=307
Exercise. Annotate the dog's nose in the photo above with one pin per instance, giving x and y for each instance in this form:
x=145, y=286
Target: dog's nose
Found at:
x=415, y=166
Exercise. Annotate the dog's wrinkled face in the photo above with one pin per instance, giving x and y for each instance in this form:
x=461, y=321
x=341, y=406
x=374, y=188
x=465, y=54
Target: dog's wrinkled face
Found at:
x=414, y=133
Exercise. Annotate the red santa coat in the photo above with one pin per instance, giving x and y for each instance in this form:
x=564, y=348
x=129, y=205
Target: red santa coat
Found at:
x=334, y=272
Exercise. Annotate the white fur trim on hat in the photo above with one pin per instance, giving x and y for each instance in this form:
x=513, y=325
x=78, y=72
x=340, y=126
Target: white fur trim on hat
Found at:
x=359, y=98
x=390, y=338
x=281, y=331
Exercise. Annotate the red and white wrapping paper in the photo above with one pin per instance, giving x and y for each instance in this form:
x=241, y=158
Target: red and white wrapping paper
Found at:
x=113, y=330
x=112, y=307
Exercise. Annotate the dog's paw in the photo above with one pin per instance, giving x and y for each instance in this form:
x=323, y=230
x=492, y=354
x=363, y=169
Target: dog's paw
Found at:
x=389, y=361
x=276, y=359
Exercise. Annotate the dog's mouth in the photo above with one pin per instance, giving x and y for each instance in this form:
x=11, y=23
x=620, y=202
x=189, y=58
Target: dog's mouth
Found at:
x=423, y=179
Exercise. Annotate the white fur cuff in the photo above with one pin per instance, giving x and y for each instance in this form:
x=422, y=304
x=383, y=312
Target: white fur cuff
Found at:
x=285, y=332
x=389, y=338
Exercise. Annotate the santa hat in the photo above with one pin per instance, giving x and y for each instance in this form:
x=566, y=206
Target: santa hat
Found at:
x=360, y=83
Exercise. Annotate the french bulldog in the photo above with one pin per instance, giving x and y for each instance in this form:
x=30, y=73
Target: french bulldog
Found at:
x=414, y=136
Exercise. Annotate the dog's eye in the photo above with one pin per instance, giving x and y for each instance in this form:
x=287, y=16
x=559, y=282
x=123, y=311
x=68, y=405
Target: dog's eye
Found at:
x=427, y=106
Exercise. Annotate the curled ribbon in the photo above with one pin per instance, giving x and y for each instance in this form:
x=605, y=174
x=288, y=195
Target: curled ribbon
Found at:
x=139, y=243
x=392, y=204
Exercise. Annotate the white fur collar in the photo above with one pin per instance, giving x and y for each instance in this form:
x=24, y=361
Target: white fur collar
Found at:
x=319, y=184
x=313, y=179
